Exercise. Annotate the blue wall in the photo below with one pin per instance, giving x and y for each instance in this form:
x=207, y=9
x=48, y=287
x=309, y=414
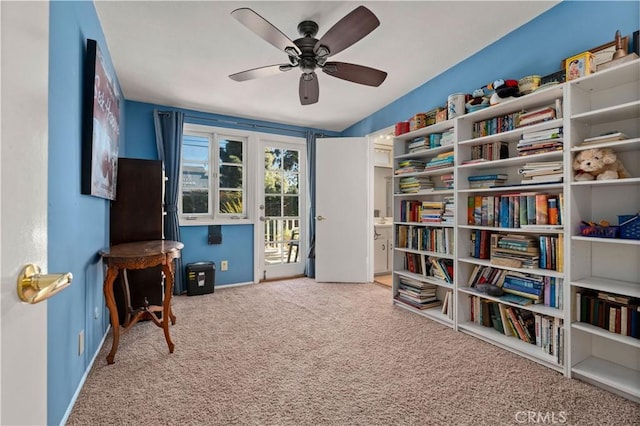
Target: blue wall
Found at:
x=537, y=47
x=78, y=225
x=237, y=240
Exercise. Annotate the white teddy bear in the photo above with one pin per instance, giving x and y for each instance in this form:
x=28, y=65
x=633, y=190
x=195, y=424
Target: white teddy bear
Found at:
x=599, y=164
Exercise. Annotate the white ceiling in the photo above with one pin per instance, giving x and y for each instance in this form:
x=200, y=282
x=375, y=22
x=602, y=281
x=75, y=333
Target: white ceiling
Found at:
x=180, y=53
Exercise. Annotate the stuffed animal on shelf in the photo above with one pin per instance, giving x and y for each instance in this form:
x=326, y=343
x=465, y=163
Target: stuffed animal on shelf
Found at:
x=504, y=90
x=599, y=164
x=478, y=101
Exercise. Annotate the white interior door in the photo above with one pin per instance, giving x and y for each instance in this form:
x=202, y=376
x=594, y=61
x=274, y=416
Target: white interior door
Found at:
x=24, y=32
x=344, y=210
x=281, y=232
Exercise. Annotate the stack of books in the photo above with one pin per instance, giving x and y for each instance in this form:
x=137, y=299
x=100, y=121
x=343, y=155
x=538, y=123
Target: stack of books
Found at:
x=409, y=166
x=413, y=184
x=448, y=137
x=444, y=159
x=524, y=285
x=449, y=207
x=537, y=116
x=541, y=172
x=418, y=144
x=514, y=250
x=542, y=141
x=487, y=181
x=447, y=181
x=432, y=211
x=607, y=137
x=417, y=294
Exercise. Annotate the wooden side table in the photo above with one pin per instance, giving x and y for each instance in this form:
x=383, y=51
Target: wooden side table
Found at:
x=141, y=255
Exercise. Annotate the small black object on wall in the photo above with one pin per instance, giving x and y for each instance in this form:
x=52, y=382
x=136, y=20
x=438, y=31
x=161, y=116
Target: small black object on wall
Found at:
x=636, y=42
x=215, y=234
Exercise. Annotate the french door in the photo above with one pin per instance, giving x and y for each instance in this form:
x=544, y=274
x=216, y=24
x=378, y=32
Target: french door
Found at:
x=281, y=230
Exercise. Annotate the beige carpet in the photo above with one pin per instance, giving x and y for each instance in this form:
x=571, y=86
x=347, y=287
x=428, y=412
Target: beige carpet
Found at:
x=303, y=353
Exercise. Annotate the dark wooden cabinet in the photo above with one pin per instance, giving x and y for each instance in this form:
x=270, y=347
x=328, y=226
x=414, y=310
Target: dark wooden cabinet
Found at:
x=137, y=215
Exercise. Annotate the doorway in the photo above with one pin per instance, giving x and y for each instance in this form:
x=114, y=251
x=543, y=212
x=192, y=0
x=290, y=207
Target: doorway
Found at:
x=281, y=230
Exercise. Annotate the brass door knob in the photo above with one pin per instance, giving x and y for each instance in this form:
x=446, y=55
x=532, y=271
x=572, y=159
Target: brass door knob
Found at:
x=34, y=287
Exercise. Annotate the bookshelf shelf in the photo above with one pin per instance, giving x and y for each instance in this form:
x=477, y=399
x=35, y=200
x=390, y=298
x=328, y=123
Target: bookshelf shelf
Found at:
x=625, y=288
x=537, y=271
x=620, y=146
x=427, y=253
x=424, y=278
x=592, y=329
x=605, y=102
x=432, y=313
x=609, y=241
x=539, y=309
x=610, y=375
x=613, y=113
x=511, y=343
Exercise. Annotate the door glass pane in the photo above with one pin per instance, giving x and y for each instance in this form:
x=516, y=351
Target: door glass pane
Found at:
x=272, y=159
x=281, y=206
x=272, y=182
x=291, y=183
x=290, y=206
x=290, y=161
x=272, y=205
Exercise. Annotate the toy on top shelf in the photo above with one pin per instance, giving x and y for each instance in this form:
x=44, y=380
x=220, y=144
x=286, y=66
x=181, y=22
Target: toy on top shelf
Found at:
x=503, y=91
x=599, y=164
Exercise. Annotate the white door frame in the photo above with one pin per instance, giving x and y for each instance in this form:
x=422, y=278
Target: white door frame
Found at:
x=285, y=270
x=25, y=140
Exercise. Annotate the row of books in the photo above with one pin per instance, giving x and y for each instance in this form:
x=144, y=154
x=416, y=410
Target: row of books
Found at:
x=437, y=240
x=613, y=312
x=489, y=151
x=429, y=266
x=526, y=210
x=522, y=289
x=541, y=330
x=518, y=251
x=541, y=141
x=495, y=125
x=447, y=305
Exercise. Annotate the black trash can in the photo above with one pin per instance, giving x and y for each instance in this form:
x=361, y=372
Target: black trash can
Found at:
x=200, y=278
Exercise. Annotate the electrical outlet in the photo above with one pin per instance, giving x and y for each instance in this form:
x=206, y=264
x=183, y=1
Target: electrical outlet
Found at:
x=224, y=265
x=81, y=343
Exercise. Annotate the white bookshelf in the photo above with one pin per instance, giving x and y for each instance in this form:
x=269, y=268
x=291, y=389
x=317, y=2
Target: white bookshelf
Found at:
x=590, y=106
x=604, y=102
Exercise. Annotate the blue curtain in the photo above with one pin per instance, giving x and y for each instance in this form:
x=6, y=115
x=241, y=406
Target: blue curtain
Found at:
x=310, y=267
x=169, y=126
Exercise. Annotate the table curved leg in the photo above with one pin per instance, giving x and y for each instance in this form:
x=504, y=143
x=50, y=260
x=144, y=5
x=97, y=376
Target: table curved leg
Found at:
x=166, y=305
x=112, y=273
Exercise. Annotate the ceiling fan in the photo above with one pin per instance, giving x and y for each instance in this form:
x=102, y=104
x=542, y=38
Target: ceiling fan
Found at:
x=309, y=53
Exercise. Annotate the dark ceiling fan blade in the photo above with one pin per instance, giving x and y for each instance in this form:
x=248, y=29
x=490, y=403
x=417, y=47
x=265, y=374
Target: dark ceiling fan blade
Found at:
x=309, y=89
x=355, y=73
x=353, y=27
x=260, y=72
x=265, y=30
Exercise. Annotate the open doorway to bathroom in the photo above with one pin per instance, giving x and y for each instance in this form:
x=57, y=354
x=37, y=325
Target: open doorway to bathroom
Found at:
x=382, y=145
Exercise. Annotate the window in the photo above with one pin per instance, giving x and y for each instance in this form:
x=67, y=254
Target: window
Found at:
x=214, y=176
